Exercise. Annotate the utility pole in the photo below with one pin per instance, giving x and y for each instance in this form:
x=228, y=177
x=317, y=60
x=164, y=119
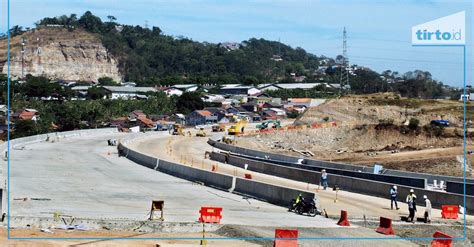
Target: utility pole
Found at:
x=344, y=79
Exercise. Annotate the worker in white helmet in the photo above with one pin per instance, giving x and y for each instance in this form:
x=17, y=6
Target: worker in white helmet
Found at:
x=411, y=201
x=427, y=209
x=393, y=197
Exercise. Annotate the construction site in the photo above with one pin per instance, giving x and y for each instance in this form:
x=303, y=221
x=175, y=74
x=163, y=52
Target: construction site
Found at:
x=232, y=185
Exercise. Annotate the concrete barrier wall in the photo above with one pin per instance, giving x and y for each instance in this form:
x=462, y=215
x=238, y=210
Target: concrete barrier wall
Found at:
x=411, y=182
x=333, y=165
x=458, y=188
x=357, y=185
x=268, y=192
x=211, y=179
x=55, y=135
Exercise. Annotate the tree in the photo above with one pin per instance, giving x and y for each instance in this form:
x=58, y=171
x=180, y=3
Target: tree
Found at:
x=413, y=123
x=24, y=128
x=189, y=102
x=90, y=22
x=111, y=18
x=107, y=81
x=95, y=93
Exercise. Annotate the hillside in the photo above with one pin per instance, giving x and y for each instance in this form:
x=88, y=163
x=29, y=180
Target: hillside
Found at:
x=149, y=57
x=60, y=54
x=373, y=128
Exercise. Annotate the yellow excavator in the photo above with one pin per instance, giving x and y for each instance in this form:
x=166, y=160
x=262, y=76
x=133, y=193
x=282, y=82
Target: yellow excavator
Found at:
x=178, y=129
x=238, y=128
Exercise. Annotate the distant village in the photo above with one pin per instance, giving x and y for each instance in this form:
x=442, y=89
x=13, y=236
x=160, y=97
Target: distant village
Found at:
x=234, y=101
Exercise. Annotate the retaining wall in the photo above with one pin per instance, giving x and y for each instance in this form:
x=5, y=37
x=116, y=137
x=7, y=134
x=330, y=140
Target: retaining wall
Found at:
x=334, y=165
x=357, y=185
x=454, y=187
x=303, y=171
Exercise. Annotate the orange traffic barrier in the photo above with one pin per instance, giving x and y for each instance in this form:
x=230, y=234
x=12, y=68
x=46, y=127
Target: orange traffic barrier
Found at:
x=210, y=215
x=248, y=176
x=286, y=238
x=449, y=211
x=441, y=240
x=385, y=226
x=343, y=221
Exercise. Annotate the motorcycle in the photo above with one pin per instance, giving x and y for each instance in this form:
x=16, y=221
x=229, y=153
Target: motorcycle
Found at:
x=307, y=207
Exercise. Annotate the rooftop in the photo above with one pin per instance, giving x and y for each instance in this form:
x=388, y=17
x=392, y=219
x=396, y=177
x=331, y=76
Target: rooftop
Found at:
x=116, y=89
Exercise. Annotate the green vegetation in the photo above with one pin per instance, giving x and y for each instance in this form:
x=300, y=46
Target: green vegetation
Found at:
x=189, y=102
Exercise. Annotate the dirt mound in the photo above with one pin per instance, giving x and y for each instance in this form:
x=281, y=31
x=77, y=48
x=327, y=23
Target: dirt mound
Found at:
x=373, y=108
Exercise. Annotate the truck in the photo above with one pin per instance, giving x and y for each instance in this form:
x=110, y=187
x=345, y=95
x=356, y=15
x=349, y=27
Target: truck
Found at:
x=218, y=128
x=444, y=123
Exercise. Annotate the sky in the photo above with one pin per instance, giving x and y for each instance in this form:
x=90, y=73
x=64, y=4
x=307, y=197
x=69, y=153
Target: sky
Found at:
x=378, y=31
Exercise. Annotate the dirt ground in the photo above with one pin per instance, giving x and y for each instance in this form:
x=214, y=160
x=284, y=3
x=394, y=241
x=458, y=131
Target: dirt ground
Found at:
x=362, y=135
x=96, y=239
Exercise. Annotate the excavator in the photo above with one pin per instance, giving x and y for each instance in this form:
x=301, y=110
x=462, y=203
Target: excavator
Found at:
x=238, y=128
x=264, y=125
x=178, y=129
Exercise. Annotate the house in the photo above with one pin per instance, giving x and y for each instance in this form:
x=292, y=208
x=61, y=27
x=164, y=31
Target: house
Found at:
x=239, y=89
x=81, y=91
x=200, y=117
x=279, y=112
x=213, y=98
x=186, y=87
x=171, y=91
x=254, y=117
x=121, y=123
x=177, y=118
x=115, y=92
x=145, y=123
x=217, y=111
x=134, y=115
x=26, y=114
x=269, y=115
x=271, y=105
x=251, y=106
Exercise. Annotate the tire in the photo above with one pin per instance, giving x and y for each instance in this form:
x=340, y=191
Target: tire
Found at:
x=313, y=212
x=300, y=210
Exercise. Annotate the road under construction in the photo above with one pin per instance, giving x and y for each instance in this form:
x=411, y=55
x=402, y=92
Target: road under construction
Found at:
x=84, y=178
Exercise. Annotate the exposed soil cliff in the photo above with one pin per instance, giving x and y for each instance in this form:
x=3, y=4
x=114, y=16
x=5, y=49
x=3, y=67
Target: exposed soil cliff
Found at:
x=59, y=54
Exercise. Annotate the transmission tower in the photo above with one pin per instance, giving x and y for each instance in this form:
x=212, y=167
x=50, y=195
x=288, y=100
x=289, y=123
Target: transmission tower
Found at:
x=344, y=80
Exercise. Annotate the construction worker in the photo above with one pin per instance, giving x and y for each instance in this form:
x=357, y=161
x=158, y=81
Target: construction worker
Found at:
x=427, y=209
x=393, y=197
x=411, y=201
x=324, y=178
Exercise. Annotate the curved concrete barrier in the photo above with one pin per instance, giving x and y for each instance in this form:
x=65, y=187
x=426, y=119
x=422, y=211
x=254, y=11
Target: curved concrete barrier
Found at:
x=271, y=193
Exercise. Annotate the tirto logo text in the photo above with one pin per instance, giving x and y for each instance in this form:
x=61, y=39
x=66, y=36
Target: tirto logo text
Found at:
x=447, y=30
x=438, y=35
